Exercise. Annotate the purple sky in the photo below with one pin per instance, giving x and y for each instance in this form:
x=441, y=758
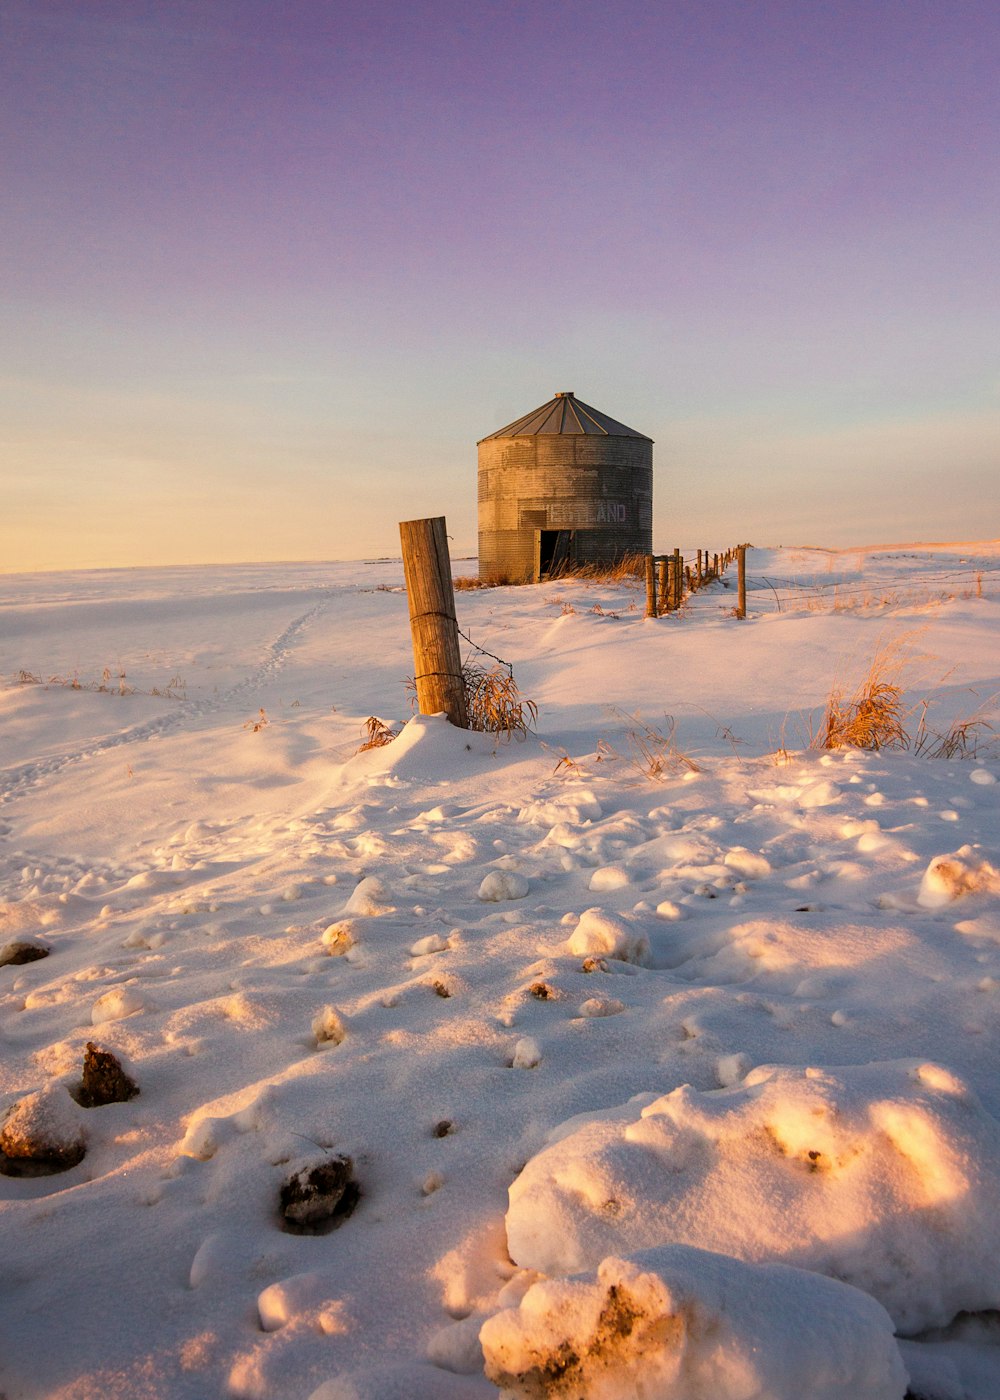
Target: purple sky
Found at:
x=272, y=269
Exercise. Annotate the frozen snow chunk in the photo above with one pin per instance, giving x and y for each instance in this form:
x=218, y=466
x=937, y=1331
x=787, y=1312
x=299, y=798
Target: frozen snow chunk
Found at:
x=599, y=932
x=328, y=1027
x=982, y=776
x=456, y=1348
x=950, y=877
x=602, y=1006
x=216, y=1260
x=730, y=1069
x=117, y=1004
x=889, y=1171
x=667, y=909
x=527, y=1053
x=684, y=1324
x=303, y=1297
x=747, y=863
x=338, y=938
x=503, y=884
x=822, y=794
x=371, y=896
x=433, y=943
x=609, y=877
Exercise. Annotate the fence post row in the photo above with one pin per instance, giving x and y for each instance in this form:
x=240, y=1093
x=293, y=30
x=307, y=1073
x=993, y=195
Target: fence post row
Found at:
x=437, y=658
x=668, y=578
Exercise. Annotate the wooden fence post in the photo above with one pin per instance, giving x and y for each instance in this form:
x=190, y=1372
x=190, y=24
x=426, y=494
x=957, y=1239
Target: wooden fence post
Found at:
x=663, y=588
x=437, y=658
x=678, y=579
x=650, y=587
x=741, y=580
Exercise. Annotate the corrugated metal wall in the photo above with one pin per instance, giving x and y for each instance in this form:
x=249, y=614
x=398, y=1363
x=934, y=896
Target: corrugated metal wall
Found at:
x=601, y=487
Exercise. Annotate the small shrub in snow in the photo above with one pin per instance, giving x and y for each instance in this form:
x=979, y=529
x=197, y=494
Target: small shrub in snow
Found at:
x=377, y=733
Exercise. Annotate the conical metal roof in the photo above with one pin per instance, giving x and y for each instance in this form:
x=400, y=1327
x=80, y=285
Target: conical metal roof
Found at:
x=566, y=414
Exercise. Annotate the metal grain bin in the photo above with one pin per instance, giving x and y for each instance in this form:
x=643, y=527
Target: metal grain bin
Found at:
x=563, y=485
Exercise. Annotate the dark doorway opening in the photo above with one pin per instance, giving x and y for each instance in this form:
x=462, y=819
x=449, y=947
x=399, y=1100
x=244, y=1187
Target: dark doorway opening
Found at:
x=555, y=551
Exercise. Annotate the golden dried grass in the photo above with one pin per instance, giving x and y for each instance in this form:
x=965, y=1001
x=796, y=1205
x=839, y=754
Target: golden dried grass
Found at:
x=495, y=704
x=378, y=734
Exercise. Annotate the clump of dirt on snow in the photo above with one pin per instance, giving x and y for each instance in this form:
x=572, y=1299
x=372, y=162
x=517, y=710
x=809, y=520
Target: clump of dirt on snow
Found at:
x=951, y=877
x=682, y=1324
x=41, y=1134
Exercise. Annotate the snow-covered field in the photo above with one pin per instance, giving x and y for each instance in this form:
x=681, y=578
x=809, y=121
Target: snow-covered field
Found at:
x=678, y=1084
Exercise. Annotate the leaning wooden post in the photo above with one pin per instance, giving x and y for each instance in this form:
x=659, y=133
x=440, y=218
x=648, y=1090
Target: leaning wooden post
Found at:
x=741, y=580
x=437, y=659
x=678, y=579
x=650, y=587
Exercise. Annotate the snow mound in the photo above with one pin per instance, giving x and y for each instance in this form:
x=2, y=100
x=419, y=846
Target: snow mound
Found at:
x=890, y=1172
x=682, y=1324
x=369, y=897
x=428, y=747
x=499, y=885
x=116, y=1005
x=949, y=877
x=598, y=932
x=310, y=1298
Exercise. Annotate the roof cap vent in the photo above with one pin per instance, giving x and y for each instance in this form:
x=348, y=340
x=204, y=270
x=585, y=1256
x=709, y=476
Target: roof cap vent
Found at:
x=565, y=394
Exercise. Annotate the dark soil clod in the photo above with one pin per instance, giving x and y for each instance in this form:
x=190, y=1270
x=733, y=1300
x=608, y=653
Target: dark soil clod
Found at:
x=20, y=952
x=104, y=1081
x=318, y=1198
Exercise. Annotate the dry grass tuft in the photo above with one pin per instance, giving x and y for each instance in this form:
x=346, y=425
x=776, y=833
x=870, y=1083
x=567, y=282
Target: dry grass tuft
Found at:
x=626, y=569
x=379, y=733
x=871, y=719
x=873, y=716
x=976, y=736
x=653, y=752
x=495, y=704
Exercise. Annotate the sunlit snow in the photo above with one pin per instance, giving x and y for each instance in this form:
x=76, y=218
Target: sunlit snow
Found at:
x=646, y=1079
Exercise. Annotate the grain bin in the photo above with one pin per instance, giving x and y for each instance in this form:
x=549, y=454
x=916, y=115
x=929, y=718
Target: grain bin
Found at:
x=563, y=485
